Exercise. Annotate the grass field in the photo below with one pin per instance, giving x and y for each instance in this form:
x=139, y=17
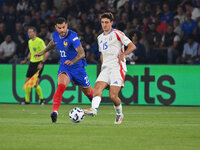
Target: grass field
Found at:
x=28, y=127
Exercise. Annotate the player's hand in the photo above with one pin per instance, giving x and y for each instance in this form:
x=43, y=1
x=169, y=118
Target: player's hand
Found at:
x=40, y=66
x=68, y=62
x=38, y=54
x=121, y=58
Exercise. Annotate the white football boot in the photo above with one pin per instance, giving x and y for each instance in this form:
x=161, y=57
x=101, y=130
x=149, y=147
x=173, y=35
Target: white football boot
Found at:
x=90, y=112
x=119, y=118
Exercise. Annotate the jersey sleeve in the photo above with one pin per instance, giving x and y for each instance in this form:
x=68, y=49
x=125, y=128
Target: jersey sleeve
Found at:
x=75, y=41
x=122, y=38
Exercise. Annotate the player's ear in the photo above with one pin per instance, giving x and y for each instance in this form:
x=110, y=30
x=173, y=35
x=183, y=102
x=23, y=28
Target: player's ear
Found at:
x=112, y=22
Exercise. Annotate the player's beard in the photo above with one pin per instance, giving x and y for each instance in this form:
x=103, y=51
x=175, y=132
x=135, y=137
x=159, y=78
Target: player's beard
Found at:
x=63, y=34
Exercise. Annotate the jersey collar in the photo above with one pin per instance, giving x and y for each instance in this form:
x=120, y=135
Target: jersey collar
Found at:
x=109, y=32
x=65, y=35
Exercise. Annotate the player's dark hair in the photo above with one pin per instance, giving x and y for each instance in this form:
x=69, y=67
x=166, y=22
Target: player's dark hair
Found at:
x=107, y=15
x=60, y=20
x=33, y=28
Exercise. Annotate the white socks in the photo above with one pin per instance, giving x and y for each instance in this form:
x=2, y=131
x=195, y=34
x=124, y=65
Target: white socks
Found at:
x=118, y=109
x=96, y=102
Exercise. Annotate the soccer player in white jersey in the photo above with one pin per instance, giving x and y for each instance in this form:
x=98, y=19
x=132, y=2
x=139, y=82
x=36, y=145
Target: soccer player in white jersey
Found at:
x=111, y=45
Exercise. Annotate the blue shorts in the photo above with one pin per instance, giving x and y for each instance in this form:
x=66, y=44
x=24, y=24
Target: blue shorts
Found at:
x=78, y=75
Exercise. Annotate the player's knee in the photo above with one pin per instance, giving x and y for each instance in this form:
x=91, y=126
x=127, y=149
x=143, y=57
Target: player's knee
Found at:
x=113, y=96
x=97, y=93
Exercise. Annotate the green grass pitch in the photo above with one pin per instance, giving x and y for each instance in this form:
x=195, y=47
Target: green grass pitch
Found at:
x=29, y=127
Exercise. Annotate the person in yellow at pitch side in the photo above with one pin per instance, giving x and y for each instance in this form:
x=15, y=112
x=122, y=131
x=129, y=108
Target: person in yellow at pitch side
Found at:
x=35, y=45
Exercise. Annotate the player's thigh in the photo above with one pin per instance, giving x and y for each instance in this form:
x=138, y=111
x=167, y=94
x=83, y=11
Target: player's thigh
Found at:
x=117, y=78
x=63, y=78
x=99, y=87
x=86, y=90
x=80, y=77
x=32, y=69
x=104, y=76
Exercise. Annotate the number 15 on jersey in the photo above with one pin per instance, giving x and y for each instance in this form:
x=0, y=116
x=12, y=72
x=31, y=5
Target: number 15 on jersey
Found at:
x=105, y=46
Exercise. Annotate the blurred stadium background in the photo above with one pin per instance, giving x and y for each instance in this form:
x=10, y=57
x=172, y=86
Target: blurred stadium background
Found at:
x=163, y=71
x=156, y=27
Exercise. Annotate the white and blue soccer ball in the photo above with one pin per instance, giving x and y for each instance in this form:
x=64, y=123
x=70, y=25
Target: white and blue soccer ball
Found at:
x=76, y=115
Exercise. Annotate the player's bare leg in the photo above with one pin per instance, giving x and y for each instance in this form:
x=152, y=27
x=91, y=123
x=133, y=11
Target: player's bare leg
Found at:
x=63, y=81
x=88, y=91
x=98, y=89
x=113, y=92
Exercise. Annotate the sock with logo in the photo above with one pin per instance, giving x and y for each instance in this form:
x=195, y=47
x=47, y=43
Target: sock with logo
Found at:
x=118, y=109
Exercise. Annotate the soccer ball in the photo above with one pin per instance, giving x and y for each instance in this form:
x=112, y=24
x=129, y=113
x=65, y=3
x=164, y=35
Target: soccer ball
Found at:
x=76, y=115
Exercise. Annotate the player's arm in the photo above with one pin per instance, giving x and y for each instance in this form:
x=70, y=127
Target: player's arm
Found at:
x=79, y=56
x=49, y=47
x=42, y=45
x=26, y=59
x=130, y=48
x=101, y=58
x=45, y=57
x=40, y=66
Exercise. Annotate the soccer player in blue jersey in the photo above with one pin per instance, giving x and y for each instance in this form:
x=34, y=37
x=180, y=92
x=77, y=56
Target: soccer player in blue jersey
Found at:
x=72, y=64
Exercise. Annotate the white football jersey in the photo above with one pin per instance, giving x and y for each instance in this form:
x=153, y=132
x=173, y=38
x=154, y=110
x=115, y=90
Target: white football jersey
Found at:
x=111, y=46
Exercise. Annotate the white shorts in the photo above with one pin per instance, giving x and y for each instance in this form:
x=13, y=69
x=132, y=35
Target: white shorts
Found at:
x=114, y=77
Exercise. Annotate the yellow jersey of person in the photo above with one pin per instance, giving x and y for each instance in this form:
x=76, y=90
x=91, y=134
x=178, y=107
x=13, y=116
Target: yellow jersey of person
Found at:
x=35, y=46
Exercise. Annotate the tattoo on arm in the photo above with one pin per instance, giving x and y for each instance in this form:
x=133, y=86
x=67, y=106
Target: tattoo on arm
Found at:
x=80, y=55
x=50, y=46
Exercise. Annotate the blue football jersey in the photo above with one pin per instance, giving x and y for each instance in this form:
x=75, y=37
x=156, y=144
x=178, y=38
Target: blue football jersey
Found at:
x=66, y=47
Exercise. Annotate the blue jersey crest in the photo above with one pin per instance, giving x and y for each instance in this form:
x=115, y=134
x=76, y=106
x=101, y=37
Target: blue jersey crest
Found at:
x=67, y=47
